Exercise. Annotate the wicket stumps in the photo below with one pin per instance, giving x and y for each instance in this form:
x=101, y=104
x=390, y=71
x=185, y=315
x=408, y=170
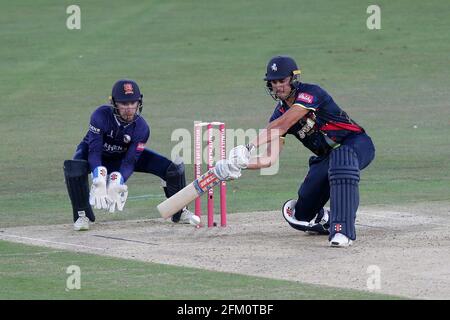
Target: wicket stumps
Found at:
x=198, y=157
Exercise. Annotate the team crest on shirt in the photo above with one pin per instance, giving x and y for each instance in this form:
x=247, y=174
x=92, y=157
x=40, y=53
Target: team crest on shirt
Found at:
x=305, y=97
x=128, y=88
x=126, y=138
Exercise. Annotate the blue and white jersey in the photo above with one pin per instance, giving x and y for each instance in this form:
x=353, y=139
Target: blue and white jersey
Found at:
x=325, y=126
x=110, y=139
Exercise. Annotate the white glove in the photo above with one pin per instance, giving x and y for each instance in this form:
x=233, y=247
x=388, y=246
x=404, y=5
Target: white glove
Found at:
x=97, y=196
x=117, y=192
x=240, y=155
x=226, y=170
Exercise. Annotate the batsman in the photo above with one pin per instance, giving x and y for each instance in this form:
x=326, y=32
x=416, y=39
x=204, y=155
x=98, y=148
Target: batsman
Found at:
x=113, y=148
x=340, y=146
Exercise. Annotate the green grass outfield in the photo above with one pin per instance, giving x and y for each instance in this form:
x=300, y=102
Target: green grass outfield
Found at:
x=205, y=60
x=29, y=272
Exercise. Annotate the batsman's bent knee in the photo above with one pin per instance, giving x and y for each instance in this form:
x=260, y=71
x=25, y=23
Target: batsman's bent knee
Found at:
x=288, y=212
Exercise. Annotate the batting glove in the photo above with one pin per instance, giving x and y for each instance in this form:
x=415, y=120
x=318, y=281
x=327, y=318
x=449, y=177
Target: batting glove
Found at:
x=117, y=192
x=240, y=155
x=97, y=196
x=226, y=170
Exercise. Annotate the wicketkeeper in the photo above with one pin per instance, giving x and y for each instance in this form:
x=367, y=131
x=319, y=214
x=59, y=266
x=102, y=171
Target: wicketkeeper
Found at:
x=341, y=150
x=112, y=149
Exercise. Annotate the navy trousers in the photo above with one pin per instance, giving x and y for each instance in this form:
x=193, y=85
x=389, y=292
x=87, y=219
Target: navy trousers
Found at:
x=314, y=192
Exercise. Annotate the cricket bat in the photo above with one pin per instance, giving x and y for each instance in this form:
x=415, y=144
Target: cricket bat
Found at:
x=195, y=189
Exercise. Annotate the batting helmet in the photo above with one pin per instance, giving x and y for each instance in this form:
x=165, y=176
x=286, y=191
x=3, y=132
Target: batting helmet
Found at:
x=280, y=67
x=126, y=90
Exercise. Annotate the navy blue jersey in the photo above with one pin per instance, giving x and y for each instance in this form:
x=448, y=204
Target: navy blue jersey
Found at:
x=109, y=139
x=325, y=126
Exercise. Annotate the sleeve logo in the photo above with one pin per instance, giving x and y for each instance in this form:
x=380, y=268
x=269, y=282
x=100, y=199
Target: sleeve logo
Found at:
x=140, y=146
x=94, y=129
x=305, y=97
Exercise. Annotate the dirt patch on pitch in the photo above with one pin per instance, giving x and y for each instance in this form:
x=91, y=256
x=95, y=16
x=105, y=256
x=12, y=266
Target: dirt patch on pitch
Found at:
x=408, y=246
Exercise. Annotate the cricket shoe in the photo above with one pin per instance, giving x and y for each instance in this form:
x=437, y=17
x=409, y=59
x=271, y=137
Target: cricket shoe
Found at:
x=318, y=226
x=321, y=224
x=82, y=224
x=188, y=217
x=340, y=240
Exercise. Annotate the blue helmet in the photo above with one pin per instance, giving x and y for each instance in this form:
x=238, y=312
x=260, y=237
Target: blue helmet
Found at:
x=126, y=90
x=280, y=67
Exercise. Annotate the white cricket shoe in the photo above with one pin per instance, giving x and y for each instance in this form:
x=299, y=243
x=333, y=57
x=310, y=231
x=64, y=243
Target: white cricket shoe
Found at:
x=188, y=217
x=320, y=224
x=82, y=224
x=340, y=240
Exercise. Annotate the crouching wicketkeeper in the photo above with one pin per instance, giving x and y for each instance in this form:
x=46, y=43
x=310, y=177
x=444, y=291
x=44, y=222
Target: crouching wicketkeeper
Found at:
x=113, y=148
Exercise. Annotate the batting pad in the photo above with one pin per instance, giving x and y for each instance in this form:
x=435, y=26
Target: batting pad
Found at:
x=343, y=175
x=175, y=181
x=76, y=177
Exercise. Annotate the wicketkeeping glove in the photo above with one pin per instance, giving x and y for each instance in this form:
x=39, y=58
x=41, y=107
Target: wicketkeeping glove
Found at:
x=117, y=192
x=97, y=196
x=226, y=170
